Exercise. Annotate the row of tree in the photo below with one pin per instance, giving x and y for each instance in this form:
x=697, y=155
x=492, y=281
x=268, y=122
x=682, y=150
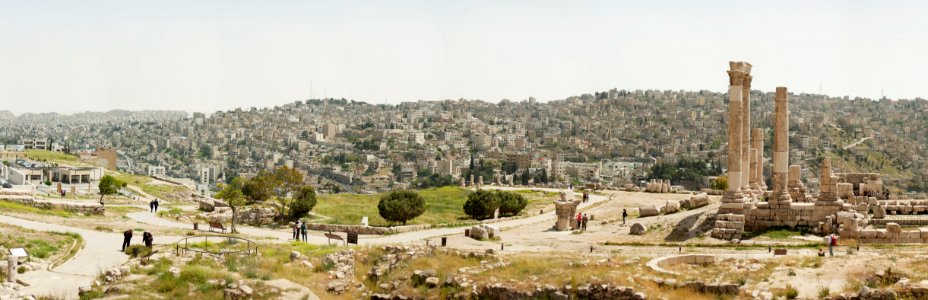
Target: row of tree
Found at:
x=482, y=204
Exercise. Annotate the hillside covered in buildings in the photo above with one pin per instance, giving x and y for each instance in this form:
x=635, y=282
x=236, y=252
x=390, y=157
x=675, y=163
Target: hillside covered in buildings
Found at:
x=611, y=138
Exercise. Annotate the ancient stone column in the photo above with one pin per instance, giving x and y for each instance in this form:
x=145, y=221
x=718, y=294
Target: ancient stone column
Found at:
x=752, y=176
x=757, y=142
x=472, y=180
x=11, y=268
x=828, y=185
x=732, y=201
x=746, y=168
x=780, y=196
x=565, y=210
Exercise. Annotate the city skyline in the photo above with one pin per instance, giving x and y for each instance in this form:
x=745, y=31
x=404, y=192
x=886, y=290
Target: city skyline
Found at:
x=211, y=56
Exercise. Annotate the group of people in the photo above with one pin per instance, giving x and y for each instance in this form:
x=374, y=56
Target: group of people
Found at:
x=299, y=230
x=147, y=238
x=153, y=205
x=582, y=219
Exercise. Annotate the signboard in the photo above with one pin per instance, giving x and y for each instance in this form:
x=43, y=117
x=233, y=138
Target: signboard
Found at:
x=18, y=252
x=352, y=237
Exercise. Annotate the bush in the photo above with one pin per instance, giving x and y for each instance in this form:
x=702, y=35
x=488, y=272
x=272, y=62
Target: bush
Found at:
x=720, y=183
x=137, y=250
x=303, y=202
x=511, y=203
x=790, y=292
x=481, y=204
x=401, y=206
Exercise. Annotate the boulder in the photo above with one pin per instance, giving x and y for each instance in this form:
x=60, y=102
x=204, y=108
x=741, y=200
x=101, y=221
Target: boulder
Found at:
x=336, y=287
x=431, y=282
x=479, y=233
x=637, y=229
x=647, y=211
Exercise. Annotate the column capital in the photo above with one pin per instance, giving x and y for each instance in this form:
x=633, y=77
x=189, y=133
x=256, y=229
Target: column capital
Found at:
x=747, y=82
x=735, y=78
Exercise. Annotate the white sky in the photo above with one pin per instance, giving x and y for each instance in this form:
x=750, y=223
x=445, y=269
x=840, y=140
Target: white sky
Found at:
x=71, y=56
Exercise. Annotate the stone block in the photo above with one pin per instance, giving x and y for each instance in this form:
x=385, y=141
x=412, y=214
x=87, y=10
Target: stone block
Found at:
x=647, y=211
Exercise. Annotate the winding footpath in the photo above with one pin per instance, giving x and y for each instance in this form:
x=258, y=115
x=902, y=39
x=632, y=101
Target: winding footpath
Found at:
x=101, y=250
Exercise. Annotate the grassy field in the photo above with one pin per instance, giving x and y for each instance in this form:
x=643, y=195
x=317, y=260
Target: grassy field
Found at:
x=443, y=205
x=51, y=156
x=16, y=207
x=38, y=244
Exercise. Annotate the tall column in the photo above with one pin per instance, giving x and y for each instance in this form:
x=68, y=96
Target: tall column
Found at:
x=757, y=142
x=780, y=196
x=746, y=131
x=733, y=199
x=752, y=175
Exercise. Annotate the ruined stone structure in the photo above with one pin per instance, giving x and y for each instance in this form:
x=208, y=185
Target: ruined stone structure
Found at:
x=845, y=200
x=565, y=210
x=658, y=186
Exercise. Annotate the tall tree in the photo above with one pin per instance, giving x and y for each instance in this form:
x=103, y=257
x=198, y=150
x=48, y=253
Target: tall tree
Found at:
x=232, y=194
x=109, y=185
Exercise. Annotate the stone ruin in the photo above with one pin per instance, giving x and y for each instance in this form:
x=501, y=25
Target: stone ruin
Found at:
x=658, y=186
x=845, y=200
x=565, y=210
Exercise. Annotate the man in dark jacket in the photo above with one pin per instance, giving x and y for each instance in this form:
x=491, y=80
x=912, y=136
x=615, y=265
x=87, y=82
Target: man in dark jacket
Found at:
x=148, y=239
x=126, y=239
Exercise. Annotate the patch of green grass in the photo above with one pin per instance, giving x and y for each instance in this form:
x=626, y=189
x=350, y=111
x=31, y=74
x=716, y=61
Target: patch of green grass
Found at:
x=51, y=156
x=12, y=206
x=775, y=233
x=444, y=205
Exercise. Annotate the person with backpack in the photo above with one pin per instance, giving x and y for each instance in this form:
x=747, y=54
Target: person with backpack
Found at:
x=832, y=242
x=303, y=230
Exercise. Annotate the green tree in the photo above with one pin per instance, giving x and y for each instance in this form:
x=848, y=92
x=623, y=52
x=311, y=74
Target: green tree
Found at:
x=286, y=182
x=511, y=203
x=720, y=183
x=481, y=204
x=303, y=202
x=109, y=185
x=232, y=194
x=401, y=206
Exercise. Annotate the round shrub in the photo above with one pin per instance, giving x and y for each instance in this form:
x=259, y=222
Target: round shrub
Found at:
x=401, y=206
x=481, y=204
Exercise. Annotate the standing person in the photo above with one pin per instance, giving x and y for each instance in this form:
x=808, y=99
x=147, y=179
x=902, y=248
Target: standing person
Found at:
x=295, y=227
x=156, y=204
x=148, y=239
x=126, y=239
x=151, y=206
x=579, y=220
x=303, y=230
x=624, y=215
x=832, y=242
x=585, y=219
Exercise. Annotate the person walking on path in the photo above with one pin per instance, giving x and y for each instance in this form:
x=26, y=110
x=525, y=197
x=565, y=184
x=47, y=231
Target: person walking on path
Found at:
x=151, y=206
x=126, y=239
x=303, y=230
x=624, y=215
x=148, y=239
x=585, y=220
x=156, y=204
x=832, y=242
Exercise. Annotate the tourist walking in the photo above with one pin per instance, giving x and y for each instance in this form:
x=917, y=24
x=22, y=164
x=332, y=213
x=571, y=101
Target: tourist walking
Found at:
x=126, y=239
x=586, y=196
x=147, y=238
x=585, y=220
x=624, y=215
x=303, y=230
x=156, y=204
x=151, y=206
x=831, y=245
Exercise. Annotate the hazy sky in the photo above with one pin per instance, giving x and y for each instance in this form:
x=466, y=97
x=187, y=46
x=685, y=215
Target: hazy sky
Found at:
x=69, y=56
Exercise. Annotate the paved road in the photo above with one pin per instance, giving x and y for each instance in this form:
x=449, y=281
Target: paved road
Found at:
x=857, y=142
x=100, y=252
